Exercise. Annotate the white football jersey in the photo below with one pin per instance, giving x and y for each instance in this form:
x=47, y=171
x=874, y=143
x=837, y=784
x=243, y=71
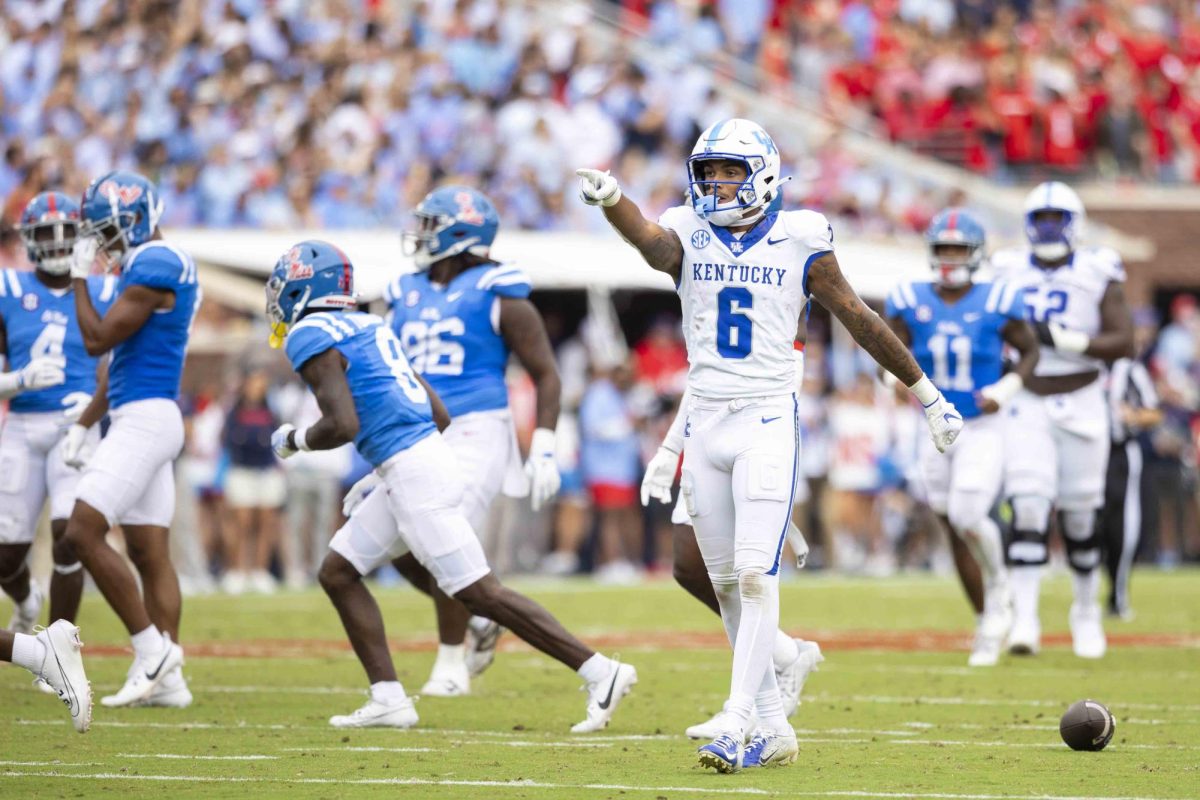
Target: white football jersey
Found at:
x=742, y=299
x=1069, y=295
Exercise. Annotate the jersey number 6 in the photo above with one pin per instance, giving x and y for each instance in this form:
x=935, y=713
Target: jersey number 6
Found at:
x=735, y=335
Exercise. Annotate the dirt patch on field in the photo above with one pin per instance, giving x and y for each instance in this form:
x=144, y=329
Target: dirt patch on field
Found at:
x=889, y=641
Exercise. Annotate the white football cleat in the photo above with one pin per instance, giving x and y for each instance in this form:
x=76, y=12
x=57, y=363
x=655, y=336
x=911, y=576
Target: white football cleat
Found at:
x=771, y=749
x=717, y=725
x=1025, y=638
x=448, y=680
x=985, y=651
x=1087, y=631
x=401, y=714
x=62, y=670
x=145, y=675
x=792, y=677
x=172, y=692
x=481, y=647
x=25, y=614
x=604, y=697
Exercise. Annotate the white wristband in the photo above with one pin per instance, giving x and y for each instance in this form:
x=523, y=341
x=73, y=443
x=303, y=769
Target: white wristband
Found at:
x=1004, y=390
x=1069, y=341
x=300, y=438
x=925, y=391
x=10, y=384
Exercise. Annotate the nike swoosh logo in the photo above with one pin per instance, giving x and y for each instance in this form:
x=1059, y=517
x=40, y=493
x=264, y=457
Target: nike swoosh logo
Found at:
x=776, y=241
x=608, y=700
x=158, y=669
x=765, y=420
x=950, y=417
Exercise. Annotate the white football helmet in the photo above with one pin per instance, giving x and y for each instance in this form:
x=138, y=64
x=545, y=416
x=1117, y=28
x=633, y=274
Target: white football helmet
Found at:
x=1052, y=240
x=735, y=140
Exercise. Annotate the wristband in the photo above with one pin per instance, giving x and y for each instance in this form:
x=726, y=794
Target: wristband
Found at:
x=1004, y=390
x=1069, y=341
x=300, y=440
x=925, y=391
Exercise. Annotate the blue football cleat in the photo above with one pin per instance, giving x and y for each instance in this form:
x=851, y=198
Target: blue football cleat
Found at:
x=771, y=750
x=724, y=753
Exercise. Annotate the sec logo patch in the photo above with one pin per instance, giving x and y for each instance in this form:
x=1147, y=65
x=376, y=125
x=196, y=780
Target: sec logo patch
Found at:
x=924, y=313
x=413, y=298
x=29, y=302
x=700, y=239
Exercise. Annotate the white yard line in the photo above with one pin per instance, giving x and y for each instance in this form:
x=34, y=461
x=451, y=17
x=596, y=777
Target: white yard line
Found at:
x=185, y=757
x=602, y=787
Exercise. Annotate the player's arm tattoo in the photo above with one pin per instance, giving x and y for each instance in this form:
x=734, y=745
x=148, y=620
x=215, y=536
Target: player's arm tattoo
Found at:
x=1115, y=339
x=1023, y=338
x=523, y=332
x=441, y=415
x=325, y=373
x=125, y=318
x=99, y=405
x=828, y=285
x=658, y=245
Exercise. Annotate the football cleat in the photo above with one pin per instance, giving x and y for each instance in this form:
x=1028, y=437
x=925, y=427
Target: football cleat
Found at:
x=401, y=714
x=792, y=677
x=146, y=675
x=1025, y=638
x=173, y=692
x=985, y=651
x=771, y=749
x=725, y=753
x=448, y=680
x=62, y=670
x=1087, y=631
x=26, y=613
x=604, y=697
x=481, y=647
x=715, y=726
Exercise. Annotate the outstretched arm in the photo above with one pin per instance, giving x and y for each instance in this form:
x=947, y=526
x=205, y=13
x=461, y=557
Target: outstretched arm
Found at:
x=658, y=245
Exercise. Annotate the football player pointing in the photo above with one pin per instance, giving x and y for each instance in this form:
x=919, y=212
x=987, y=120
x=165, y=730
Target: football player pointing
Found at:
x=744, y=276
x=370, y=395
x=1058, y=427
x=957, y=330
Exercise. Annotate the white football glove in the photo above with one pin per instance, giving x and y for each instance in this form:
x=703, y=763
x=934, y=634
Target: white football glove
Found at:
x=358, y=492
x=660, y=476
x=799, y=545
x=279, y=441
x=945, y=423
x=542, y=468
x=598, y=188
x=73, y=452
x=83, y=257
x=42, y=372
x=74, y=405
x=1062, y=338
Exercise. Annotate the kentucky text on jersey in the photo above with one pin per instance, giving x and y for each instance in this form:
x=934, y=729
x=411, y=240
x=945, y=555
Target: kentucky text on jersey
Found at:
x=451, y=334
x=40, y=323
x=150, y=363
x=959, y=345
x=738, y=273
x=393, y=407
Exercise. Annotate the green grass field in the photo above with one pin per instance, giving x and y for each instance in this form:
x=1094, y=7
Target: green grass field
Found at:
x=893, y=712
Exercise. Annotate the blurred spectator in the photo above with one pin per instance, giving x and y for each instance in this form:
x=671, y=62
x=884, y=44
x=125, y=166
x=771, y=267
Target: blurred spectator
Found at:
x=255, y=488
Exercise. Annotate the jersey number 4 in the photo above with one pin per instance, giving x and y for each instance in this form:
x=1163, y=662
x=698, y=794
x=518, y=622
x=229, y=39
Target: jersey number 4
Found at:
x=430, y=347
x=735, y=333
x=49, y=343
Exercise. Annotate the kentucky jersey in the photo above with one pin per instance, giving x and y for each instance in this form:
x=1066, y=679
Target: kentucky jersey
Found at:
x=451, y=334
x=40, y=322
x=959, y=345
x=1069, y=295
x=393, y=407
x=742, y=298
x=149, y=364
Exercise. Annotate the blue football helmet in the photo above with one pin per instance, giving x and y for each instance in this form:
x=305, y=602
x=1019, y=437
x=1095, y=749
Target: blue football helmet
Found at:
x=1054, y=236
x=952, y=230
x=452, y=220
x=311, y=276
x=121, y=209
x=50, y=227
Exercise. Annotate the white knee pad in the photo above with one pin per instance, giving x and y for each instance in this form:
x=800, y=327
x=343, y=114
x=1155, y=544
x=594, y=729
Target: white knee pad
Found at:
x=1078, y=526
x=1031, y=513
x=967, y=509
x=1081, y=539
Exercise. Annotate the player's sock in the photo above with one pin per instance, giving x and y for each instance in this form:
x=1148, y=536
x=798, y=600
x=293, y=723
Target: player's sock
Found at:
x=769, y=705
x=752, y=650
x=1087, y=586
x=786, y=650
x=450, y=655
x=596, y=668
x=28, y=652
x=1026, y=584
x=147, y=643
x=387, y=692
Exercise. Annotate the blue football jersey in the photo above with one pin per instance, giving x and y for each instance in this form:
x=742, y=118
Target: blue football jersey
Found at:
x=393, y=407
x=959, y=345
x=451, y=334
x=149, y=364
x=40, y=322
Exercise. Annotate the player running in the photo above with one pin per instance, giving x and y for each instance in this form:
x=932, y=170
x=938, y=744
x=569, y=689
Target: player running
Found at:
x=52, y=381
x=457, y=319
x=957, y=330
x=369, y=394
x=129, y=479
x=744, y=276
x=1058, y=428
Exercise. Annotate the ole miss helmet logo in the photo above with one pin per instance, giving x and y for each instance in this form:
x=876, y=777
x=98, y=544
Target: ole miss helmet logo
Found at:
x=296, y=268
x=466, y=209
x=115, y=191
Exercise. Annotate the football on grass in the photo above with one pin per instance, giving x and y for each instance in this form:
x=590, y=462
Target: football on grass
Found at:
x=1087, y=725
